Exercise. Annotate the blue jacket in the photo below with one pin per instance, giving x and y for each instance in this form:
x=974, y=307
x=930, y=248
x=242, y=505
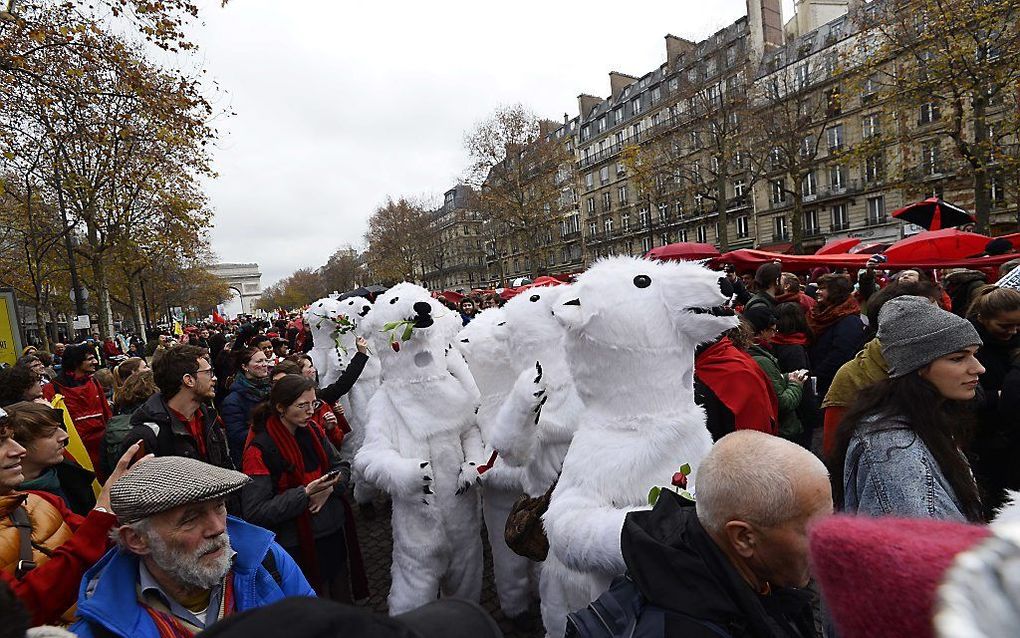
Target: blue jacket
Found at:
x=236, y=412
x=834, y=347
x=108, y=595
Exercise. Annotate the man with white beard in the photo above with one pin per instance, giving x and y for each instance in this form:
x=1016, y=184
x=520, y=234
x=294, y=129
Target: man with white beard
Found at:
x=181, y=563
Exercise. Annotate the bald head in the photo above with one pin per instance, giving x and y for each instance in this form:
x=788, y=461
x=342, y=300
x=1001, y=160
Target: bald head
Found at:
x=755, y=477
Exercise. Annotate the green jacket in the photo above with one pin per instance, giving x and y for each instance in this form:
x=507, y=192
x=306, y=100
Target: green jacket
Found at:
x=789, y=393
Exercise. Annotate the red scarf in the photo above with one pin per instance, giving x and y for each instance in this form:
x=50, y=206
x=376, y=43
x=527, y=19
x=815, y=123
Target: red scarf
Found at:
x=823, y=316
x=795, y=339
x=741, y=385
x=169, y=626
x=294, y=476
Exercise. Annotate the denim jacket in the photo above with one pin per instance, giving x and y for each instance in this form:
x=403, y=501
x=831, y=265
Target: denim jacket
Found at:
x=889, y=471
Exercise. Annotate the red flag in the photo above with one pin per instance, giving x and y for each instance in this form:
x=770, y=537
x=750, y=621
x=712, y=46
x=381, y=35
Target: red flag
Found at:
x=216, y=318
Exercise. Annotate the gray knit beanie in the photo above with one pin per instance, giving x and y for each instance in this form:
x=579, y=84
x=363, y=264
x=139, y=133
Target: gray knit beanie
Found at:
x=914, y=332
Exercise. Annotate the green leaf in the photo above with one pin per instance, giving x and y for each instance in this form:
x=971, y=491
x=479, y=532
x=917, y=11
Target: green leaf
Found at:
x=653, y=495
x=407, y=332
x=685, y=469
x=390, y=326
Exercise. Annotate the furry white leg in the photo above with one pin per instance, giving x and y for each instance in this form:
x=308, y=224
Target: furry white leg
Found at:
x=419, y=558
x=562, y=593
x=510, y=571
x=463, y=577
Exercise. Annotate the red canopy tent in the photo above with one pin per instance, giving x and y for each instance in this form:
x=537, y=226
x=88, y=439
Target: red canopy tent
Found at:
x=838, y=246
x=748, y=259
x=683, y=251
x=936, y=245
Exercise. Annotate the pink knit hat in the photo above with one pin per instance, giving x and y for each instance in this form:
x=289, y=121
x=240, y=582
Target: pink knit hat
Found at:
x=879, y=576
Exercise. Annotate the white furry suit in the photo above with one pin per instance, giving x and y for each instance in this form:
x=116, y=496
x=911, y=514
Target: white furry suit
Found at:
x=489, y=361
x=321, y=319
x=537, y=423
x=422, y=445
x=632, y=329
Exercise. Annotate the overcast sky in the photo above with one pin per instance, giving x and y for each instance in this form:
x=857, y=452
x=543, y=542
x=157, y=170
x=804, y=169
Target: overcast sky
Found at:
x=340, y=103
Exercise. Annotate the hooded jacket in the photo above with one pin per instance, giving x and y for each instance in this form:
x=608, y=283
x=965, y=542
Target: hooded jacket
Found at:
x=108, y=599
x=86, y=402
x=788, y=392
x=172, y=438
x=678, y=568
x=237, y=408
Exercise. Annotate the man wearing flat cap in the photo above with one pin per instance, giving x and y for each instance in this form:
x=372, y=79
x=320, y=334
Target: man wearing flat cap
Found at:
x=181, y=563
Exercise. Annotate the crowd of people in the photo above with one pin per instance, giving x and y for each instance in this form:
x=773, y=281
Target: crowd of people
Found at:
x=179, y=486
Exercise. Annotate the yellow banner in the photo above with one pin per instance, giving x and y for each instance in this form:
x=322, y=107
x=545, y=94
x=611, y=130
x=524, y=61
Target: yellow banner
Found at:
x=10, y=341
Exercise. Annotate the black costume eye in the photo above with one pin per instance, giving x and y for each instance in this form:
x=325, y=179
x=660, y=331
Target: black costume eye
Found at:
x=534, y=298
x=642, y=281
x=394, y=300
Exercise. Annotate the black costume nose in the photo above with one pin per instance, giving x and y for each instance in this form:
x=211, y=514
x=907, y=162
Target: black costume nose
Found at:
x=422, y=308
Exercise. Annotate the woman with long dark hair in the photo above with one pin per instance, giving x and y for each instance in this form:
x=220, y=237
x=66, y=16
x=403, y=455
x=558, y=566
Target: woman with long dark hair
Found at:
x=900, y=448
x=298, y=478
x=249, y=387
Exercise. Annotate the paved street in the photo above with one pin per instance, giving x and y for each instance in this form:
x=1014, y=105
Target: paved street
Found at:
x=376, y=546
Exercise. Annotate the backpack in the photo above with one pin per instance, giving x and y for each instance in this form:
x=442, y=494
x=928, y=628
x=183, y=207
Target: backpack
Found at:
x=117, y=429
x=623, y=612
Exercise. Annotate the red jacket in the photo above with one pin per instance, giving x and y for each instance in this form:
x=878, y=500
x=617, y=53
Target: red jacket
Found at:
x=50, y=589
x=89, y=410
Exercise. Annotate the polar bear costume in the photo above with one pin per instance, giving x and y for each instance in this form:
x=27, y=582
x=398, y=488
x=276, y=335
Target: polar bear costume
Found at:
x=422, y=446
x=537, y=422
x=488, y=359
x=356, y=310
x=321, y=319
x=632, y=329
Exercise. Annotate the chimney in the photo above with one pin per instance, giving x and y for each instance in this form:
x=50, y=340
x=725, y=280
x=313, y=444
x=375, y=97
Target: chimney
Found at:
x=619, y=81
x=676, y=48
x=585, y=103
x=765, y=22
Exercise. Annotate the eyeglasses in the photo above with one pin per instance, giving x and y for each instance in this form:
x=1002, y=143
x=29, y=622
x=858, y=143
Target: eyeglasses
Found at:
x=308, y=407
x=209, y=370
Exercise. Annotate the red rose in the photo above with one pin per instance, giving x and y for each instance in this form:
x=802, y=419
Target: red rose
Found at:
x=680, y=480
x=395, y=345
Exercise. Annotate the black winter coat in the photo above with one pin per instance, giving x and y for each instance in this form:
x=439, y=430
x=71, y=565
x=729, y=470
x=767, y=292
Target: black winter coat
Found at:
x=168, y=436
x=678, y=567
x=834, y=347
x=996, y=443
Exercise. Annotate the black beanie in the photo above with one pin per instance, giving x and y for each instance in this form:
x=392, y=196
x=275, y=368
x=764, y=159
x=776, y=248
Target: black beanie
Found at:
x=760, y=317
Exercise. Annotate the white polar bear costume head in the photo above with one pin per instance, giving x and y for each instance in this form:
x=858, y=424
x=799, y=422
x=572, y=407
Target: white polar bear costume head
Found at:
x=321, y=319
x=434, y=329
x=355, y=309
x=634, y=324
x=534, y=332
x=483, y=343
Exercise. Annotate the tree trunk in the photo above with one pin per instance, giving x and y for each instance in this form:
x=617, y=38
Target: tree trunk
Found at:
x=797, y=224
x=982, y=197
x=720, y=207
x=100, y=282
x=136, y=310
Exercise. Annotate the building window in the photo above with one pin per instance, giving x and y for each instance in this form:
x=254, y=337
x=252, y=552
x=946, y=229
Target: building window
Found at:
x=811, y=226
x=870, y=126
x=679, y=209
x=840, y=217
x=996, y=190
x=873, y=168
x=837, y=178
x=607, y=201
x=622, y=194
x=589, y=181
x=835, y=137
x=808, y=185
x=618, y=115
x=591, y=204
x=739, y=188
x=643, y=217
x=625, y=221
x=635, y=106
x=929, y=112
x=620, y=169
x=806, y=146
x=731, y=55
x=876, y=210
x=604, y=175
x=742, y=227
x=593, y=228
x=601, y=125
x=779, y=229
x=803, y=74
x=931, y=153
x=663, y=213
x=699, y=203
x=681, y=235
x=665, y=239
x=778, y=188
x=656, y=94
x=702, y=234
x=608, y=225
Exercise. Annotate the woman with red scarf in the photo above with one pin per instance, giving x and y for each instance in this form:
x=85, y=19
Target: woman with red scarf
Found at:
x=298, y=479
x=837, y=327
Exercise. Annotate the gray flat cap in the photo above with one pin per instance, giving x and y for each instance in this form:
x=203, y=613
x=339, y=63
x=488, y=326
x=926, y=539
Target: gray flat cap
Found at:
x=163, y=483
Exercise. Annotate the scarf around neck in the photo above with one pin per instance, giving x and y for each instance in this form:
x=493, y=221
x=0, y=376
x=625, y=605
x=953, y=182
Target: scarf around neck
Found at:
x=822, y=317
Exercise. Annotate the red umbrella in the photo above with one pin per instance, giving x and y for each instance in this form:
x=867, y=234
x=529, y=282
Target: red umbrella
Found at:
x=934, y=214
x=936, y=245
x=683, y=251
x=870, y=248
x=838, y=246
